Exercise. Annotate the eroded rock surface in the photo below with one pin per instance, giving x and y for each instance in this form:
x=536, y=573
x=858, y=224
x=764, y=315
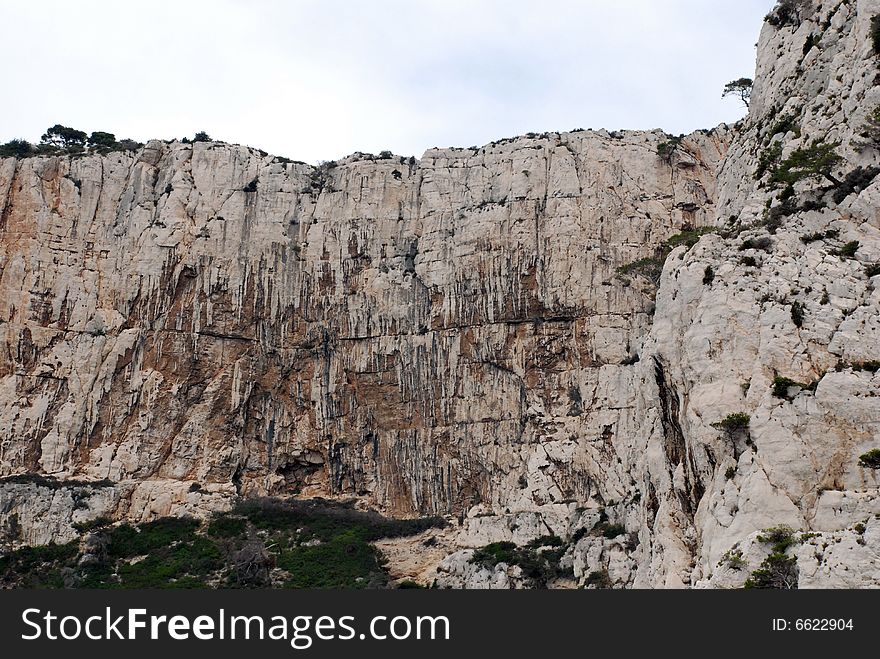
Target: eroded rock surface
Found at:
x=452, y=335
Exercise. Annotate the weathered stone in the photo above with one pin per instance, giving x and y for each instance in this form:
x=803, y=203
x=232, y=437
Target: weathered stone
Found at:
x=452, y=335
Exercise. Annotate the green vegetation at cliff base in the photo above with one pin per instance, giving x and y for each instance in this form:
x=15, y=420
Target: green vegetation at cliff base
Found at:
x=261, y=543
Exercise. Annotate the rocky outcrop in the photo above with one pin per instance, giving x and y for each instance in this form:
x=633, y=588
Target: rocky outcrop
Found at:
x=454, y=335
x=787, y=299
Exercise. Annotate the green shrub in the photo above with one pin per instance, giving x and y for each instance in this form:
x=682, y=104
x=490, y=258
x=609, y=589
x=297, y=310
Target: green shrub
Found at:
x=37, y=567
x=816, y=160
x=782, y=385
x=313, y=543
x=225, y=526
x=182, y=565
x=808, y=238
x=869, y=366
x=788, y=13
x=732, y=423
x=613, y=530
x=856, y=181
x=768, y=160
x=871, y=459
x=781, y=537
x=126, y=541
x=785, y=125
x=872, y=270
x=64, y=137
x=763, y=243
x=666, y=150
x=797, y=313
x=495, y=553
x=849, y=250
x=537, y=567
x=600, y=580
x=202, y=136
x=748, y=261
x=688, y=237
x=345, y=561
x=875, y=34
x=708, y=275
x=101, y=139
x=733, y=559
x=16, y=149
x=129, y=145
x=408, y=584
x=650, y=268
x=546, y=541
x=811, y=41
x=778, y=571
x=870, y=131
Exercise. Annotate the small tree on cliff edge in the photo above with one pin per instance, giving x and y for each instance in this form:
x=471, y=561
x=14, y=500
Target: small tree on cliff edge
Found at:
x=63, y=137
x=741, y=88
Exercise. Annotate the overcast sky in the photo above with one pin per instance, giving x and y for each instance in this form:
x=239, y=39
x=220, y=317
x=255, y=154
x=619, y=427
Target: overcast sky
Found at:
x=315, y=80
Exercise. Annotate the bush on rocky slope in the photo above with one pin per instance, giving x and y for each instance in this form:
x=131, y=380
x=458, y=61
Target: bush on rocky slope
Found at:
x=788, y=13
x=815, y=161
x=777, y=571
x=871, y=459
x=733, y=423
x=294, y=544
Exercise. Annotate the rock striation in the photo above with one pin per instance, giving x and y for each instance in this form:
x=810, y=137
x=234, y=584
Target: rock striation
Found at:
x=465, y=335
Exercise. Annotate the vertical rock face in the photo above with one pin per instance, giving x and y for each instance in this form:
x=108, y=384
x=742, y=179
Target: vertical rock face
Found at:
x=430, y=335
x=453, y=335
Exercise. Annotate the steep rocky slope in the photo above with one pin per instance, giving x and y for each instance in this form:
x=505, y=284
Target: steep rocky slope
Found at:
x=464, y=335
x=807, y=310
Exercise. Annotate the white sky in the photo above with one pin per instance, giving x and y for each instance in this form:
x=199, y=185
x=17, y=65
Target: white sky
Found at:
x=314, y=80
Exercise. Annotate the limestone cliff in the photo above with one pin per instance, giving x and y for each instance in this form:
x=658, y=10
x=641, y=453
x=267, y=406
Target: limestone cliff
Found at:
x=465, y=335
